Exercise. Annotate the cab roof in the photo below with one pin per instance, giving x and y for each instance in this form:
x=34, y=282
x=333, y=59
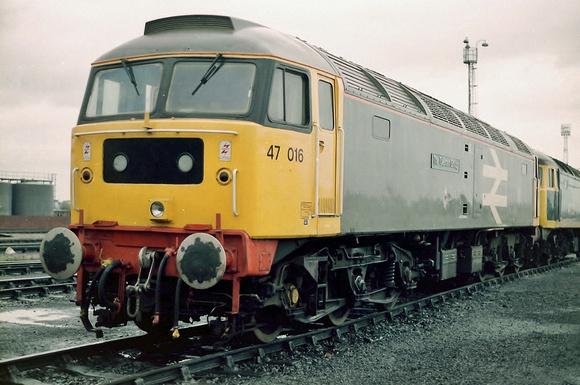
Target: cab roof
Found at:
x=544, y=159
x=216, y=34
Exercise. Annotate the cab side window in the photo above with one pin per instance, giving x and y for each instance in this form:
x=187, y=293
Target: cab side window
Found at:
x=326, y=105
x=288, y=102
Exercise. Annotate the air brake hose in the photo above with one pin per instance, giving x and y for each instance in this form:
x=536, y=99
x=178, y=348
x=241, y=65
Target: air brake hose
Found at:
x=176, y=309
x=87, y=301
x=103, y=288
x=158, y=289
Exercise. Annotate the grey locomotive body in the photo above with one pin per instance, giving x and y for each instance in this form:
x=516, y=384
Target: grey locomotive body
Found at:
x=419, y=175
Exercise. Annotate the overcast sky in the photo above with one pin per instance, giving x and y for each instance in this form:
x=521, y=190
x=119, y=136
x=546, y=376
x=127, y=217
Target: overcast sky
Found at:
x=528, y=77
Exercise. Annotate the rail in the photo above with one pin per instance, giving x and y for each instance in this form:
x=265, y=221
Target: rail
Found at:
x=20, y=267
x=43, y=285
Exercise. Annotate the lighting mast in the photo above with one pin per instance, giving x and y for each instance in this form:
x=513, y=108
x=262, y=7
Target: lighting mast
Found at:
x=470, y=58
x=565, y=132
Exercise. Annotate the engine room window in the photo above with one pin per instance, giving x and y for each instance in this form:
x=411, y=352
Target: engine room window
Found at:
x=289, y=98
x=227, y=91
x=124, y=90
x=381, y=128
x=326, y=105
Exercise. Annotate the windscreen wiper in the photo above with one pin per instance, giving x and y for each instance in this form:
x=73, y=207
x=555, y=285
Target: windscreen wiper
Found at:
x=130, y=73
x=213, y=68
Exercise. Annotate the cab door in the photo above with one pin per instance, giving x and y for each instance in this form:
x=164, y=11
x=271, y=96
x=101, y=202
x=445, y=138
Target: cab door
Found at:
x=536, y=194
x=328, y=134
x=553, y=195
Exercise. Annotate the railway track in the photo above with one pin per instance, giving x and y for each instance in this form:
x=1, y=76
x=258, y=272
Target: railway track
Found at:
x=181, y=364
x=8, y=268
x=22, y=245
x=41, y=285
x=20, y=241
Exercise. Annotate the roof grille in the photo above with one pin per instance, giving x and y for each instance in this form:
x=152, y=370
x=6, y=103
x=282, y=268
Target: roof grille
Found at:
x=566, y=168
x=521, y=146
x=372, y=85
x=376, y=87
x=472, y=125
x=188, y=22
x=495, y=134
x=355, y=78
x=440, y=110
x=398, y=93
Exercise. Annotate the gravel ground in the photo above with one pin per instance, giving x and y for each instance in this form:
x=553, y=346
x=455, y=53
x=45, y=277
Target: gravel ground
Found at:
x=522, y=332
x=38, y=324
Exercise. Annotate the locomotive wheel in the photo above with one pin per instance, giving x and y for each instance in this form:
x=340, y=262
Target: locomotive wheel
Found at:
x=515, y=265
x=487, y=272
x=390, y=305
x=337, y=317
x=268, y=322
x=389, y=302
x=499, y=272
x=485, y=275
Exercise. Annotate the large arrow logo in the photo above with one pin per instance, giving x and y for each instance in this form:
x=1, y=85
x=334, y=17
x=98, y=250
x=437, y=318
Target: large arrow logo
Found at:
x=493, y=199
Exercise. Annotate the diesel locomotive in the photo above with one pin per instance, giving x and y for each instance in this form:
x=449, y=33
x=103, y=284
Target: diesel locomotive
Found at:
x=222, y=169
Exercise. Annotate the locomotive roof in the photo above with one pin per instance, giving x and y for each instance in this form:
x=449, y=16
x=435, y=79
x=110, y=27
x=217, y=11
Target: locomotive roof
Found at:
x=222, y=34
x=550, y=161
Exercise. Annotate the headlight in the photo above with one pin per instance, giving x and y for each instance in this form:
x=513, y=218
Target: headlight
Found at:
x=120, y=162
x=157, y=209
x=161, y=209
x=185, y=162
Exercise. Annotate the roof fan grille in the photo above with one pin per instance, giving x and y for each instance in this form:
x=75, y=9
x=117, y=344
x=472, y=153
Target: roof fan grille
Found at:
x=188, y=22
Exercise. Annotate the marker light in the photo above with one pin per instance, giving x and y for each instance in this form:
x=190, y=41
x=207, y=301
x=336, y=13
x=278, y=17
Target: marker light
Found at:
x=87, y=175
x=224, y=176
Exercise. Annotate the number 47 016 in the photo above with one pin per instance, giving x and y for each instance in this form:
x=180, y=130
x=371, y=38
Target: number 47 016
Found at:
x=293, y=154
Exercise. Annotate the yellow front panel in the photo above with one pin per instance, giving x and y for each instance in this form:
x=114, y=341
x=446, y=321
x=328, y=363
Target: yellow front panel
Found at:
x=273, y=171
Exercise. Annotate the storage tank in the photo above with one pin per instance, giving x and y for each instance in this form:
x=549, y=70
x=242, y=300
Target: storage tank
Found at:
x=30, y=198
x=5, y=198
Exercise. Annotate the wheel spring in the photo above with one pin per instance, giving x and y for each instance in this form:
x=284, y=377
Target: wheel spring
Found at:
x=390, y=274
